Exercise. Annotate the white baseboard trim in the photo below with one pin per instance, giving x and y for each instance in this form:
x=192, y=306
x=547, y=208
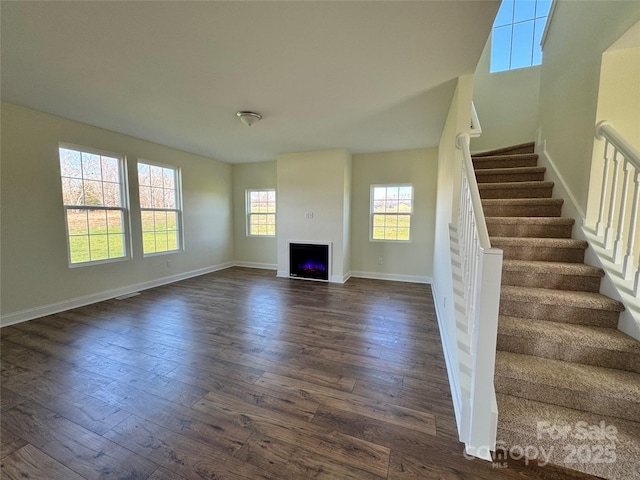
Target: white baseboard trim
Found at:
x=449, y=361
x=392, y=277
x=570, y=206
x=52, y=308
x=262, y=266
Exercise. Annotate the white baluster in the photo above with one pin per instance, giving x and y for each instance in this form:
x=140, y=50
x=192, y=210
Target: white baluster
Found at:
x=472, y=276
x=618, y=247
x=608, y=234
x=603, y=191
x=636, y=285
x=627, y=269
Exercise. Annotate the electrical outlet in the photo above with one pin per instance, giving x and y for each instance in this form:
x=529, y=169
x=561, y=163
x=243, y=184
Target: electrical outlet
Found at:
x=168, y=263
x=380, y=261
x=308, y=215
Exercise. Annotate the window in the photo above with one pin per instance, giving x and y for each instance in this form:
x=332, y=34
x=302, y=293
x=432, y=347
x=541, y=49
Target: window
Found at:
x=94, y=198
x=517, y=32
x=391, y=209
x=261, y=213
x=160, y=207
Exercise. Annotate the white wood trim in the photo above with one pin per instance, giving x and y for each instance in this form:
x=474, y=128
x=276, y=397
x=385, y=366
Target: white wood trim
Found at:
x=546, y=26
x=575, y=211
x=52, y=308
x=263, y=266
x=393, y=277
x=451, y=364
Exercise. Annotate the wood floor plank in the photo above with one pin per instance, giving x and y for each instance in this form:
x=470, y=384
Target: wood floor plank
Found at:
x=86, y=411
x=177, y=453
x=238, y=374
x=164, y=474
x=349, y=450
x=206, y=375
x=306, y=360
x=291, y=462
x=312, y=375
x=88, y=454
x=394, y=437
x=9, y=398
x=29, y=462
x=219, y=431
x=397, y=415
x=9, y=442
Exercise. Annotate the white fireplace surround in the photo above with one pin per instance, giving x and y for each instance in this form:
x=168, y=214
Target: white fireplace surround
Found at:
x=285, y=273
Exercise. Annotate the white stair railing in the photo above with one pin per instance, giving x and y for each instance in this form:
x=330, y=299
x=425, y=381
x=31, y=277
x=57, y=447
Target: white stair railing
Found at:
x=617, y=223
x=481, y=267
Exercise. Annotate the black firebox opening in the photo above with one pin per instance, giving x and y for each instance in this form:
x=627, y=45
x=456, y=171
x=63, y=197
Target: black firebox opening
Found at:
x=309, y=261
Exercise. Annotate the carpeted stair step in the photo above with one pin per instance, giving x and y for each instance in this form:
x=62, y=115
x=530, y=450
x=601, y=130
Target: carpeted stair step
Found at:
x=556, y=275
x=522, y=207
x=537, y=227
x=515, y=190
x=505, y=161
x=515, y=149
x=541, y=249
x=601, y=347
x=604, y=391
x=583, y=308
x=556, y=434
x=516, y=174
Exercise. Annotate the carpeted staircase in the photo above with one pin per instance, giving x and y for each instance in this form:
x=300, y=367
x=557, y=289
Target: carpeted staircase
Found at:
x=567, y=381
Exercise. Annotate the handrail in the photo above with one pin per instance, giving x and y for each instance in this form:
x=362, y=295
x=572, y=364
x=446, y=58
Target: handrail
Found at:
x=618, y=218
x=480, y=280
x=462, y=142
x=605, y=131
x=476, y=129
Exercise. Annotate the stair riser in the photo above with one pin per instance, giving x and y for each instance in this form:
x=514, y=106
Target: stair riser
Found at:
x=522, y=210
x=518, y=149
x=509, y=177
x=543, y=254
x=481, y=163
x=560, y=313
x=569, y=352
x=532, y=231
x=526, y=192
x=547, y=280
x=595, y=402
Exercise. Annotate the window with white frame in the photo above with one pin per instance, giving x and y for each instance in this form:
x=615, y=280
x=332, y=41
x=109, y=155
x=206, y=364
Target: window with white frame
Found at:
x=391, y=210
x=261, y=213
x=160, y=207
x=517, y=33
x=95, y=204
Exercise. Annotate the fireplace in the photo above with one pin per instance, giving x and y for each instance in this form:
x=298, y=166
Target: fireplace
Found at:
x=310, y=261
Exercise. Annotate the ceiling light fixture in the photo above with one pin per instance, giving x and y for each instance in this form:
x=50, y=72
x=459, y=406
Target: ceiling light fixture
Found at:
x=249, y=118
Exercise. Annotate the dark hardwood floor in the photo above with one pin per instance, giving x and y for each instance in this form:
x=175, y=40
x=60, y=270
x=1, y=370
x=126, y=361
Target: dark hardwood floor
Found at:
x=238, y=374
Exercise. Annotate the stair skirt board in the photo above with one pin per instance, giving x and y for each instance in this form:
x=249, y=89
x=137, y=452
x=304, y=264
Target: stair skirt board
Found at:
x=561, y=363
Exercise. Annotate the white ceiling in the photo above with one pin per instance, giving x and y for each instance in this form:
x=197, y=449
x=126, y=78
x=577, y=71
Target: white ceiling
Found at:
x=366, y=76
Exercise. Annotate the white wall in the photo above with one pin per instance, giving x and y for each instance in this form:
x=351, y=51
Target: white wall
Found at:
x=401, y=261
x=619, y=92
x=313, y=182
x=36, y=278
x=507, y=104
x=579, y=33
x=449, y=171
x=260, y=252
